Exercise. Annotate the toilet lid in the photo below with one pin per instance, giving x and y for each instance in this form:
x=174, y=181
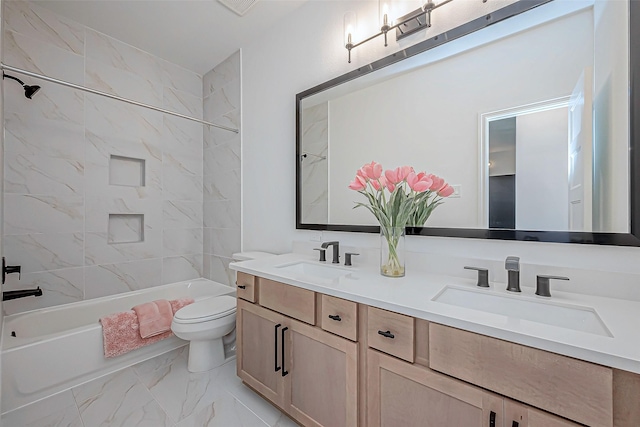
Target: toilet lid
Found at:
x=207, y=309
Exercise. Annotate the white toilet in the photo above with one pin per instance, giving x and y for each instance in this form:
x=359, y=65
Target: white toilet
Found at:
x=207, y=323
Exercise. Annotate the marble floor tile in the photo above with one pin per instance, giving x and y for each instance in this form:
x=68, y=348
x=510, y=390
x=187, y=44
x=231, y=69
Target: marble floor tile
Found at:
x=182, y=393
x=59, y=410
x=119, y=399
x=159, y=392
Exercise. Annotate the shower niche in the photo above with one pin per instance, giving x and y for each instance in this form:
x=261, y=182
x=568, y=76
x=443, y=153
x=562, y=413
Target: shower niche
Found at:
x=126, y=228
x=126, y=171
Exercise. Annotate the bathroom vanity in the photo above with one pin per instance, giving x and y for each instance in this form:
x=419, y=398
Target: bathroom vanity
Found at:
x=333, y=346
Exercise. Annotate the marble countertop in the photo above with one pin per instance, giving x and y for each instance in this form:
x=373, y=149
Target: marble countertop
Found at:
x=413, y=295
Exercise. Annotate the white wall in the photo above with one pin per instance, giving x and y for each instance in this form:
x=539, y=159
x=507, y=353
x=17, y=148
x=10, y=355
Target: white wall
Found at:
x=303, y=52
x=542, y=177
x=611, y=122
x=434, y=128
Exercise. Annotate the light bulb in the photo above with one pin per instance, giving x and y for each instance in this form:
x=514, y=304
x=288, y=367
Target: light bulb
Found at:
x=349, y=28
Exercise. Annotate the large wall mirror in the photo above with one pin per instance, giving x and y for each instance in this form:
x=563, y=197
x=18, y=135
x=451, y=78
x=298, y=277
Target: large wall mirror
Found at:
x=526, y=112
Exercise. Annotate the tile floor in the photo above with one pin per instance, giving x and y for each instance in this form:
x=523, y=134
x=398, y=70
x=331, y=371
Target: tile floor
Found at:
x=156, y=393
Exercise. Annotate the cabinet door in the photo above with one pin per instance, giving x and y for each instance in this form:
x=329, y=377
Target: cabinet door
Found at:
x=517, y=414
x=322, y=382
x=258, y=354
x=402, y=394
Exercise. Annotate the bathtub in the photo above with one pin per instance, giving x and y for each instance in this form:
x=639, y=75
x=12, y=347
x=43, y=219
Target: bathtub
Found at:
x=61, y=347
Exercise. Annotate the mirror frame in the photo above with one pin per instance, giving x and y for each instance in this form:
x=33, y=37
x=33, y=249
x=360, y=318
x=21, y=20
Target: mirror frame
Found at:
x=616, y=239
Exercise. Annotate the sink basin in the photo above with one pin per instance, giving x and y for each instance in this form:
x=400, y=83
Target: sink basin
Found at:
x=318, y=271
x=579, y=318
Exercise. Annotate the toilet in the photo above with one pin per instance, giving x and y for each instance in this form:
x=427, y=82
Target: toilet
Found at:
x=208, y=325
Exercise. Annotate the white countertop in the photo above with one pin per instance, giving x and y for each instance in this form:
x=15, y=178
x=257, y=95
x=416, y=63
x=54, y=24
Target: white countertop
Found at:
x=413, y=294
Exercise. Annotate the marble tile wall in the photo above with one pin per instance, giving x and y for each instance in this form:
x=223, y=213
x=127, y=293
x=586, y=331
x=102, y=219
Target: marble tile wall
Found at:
x=222, y=187
x=57, y=150
x=315, y=167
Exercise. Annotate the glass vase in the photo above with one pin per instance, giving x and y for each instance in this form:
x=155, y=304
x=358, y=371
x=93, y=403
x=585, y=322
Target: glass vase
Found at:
x=392, y=251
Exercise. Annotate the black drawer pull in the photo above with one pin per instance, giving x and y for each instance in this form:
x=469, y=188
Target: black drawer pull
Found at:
x=284, y=373
x=492, y=419
x=336, y=317
x=242, y=286
x=387, y=334
x=275, y=348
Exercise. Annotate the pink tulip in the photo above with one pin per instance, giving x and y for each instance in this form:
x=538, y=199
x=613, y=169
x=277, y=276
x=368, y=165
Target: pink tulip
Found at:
x=420, y=182
x=372, y=170
x=379, y=184
x=438, y=183
x=392, y=176
x=403, y=172
x=398, y=175
x=390, y=186
x=445, y=191
x=359, y=183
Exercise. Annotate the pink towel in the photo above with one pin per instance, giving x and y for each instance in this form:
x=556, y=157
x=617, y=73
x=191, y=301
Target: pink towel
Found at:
x=154, y=317
x=120, y=331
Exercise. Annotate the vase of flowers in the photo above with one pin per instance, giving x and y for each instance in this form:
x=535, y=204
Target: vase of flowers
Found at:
x=398, y=198
x=392, y=251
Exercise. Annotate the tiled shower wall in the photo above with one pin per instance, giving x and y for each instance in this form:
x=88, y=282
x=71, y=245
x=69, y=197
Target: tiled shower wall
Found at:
x=222, y=190
x=314, y=166
x=58, y=161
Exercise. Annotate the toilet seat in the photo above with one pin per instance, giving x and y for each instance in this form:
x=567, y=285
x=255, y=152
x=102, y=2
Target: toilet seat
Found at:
x=206, y=310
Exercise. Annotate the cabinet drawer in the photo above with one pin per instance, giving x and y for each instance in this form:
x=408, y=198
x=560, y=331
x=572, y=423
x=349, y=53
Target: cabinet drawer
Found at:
x=294, y=302
x=246, y=285
x=568, y=387
x=340, y=317
x=391, y=332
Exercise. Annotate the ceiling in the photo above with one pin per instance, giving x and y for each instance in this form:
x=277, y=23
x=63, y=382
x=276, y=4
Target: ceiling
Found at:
x=195, y=34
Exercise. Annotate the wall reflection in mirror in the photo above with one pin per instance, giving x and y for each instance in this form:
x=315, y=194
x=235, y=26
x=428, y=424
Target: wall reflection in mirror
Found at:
x=528, y=118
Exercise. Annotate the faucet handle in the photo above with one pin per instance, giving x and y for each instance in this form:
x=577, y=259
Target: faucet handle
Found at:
x=483, y=276
x=542, y=284
x=323, y=254
x=512, y=263
x=347, y=257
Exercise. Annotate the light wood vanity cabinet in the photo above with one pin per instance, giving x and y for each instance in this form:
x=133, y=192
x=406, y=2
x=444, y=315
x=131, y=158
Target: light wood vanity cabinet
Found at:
x=309, y=373
x=408, y=395
x=331, y=362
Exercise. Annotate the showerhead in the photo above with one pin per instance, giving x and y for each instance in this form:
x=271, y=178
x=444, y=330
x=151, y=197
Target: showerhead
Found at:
x=29, y=91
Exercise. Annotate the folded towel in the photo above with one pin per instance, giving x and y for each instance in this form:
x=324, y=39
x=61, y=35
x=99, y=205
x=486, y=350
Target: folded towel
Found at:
x=154, y=317
x=120, y=331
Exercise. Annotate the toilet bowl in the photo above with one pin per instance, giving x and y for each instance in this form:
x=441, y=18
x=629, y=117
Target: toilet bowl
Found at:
x=209, y=325
x=204, y=324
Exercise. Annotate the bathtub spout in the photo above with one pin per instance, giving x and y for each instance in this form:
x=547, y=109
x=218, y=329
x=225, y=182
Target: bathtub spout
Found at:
x=21, y=293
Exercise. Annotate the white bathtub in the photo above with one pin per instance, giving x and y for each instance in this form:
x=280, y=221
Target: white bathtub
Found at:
x=60, y=347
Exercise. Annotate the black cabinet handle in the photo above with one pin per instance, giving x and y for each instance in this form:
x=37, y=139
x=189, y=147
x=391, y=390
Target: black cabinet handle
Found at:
x=387, y=334
x=336, y=317
x=275, y=348
x=284, y=373
x=492, y=419
x=242, y=286
x=515, y=424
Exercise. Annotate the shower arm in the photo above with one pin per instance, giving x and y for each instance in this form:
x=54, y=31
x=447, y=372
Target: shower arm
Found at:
x=7, y=76
x=108, y=95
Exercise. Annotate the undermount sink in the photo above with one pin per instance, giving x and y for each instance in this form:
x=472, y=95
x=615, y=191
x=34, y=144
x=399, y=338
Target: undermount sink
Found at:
x=575, y=317
x=310, y=269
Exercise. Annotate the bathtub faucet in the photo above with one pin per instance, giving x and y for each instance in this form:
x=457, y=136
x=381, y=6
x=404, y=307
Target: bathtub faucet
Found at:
x=21, y=293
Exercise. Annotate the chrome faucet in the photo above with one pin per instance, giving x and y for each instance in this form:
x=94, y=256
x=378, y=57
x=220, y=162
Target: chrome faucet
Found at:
x=336, y=250
x=512, y=264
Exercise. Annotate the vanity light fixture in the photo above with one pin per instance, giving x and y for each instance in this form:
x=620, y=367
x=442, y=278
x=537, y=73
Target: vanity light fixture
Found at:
x=405, y=25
